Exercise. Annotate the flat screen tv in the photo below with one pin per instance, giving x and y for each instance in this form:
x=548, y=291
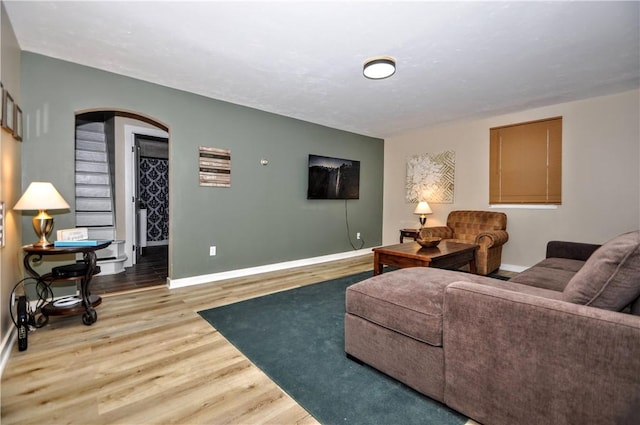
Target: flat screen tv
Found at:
x=333, y=178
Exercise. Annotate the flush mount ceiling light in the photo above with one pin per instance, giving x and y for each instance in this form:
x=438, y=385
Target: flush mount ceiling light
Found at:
x=379, y=67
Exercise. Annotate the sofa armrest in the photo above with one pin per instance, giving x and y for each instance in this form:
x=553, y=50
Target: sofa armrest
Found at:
x=492, y=238
x=443, y=232
x=570, y=250
x=517, y=358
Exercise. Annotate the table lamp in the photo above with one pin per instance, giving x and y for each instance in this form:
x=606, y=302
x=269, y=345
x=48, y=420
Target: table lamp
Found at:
x=422, y=210
x=41, y=196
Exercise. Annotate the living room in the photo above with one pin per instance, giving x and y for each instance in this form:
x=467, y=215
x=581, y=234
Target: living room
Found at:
x=264, y=221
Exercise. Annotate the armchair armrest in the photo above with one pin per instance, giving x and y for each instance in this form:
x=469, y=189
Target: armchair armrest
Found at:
x=570, y=250
x=443, y=232
x=492, y=238
x=517, y=358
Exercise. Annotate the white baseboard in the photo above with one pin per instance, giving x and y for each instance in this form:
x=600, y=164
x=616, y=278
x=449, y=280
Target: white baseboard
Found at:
x=214, y=277
x=7, y=345
x=198, y=280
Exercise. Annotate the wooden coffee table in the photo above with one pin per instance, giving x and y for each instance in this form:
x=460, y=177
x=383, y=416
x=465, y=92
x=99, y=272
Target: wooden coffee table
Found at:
x=447, y=254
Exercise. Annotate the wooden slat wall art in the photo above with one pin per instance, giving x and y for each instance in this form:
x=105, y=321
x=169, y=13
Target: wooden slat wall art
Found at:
x=215, y=167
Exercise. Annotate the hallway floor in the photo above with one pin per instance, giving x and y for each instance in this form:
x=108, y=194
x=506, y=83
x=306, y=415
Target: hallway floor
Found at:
x=150, y=271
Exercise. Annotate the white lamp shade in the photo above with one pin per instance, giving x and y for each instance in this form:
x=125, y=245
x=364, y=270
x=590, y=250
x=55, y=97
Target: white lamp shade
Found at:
x=423, y=208
x=41, y=196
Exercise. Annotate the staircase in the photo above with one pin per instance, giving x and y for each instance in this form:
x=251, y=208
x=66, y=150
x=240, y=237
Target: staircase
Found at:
x=94, y=194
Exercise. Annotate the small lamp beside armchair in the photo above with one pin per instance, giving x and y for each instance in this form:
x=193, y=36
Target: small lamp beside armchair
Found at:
x=422, y=210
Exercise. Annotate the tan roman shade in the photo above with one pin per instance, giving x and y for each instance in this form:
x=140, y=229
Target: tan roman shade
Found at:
x=526, y=163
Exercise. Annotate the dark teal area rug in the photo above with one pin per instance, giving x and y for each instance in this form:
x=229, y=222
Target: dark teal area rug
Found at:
x=297, y=338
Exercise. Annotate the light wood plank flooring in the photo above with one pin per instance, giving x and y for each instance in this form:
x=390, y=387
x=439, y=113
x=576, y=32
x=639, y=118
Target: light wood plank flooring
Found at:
x=151, y=359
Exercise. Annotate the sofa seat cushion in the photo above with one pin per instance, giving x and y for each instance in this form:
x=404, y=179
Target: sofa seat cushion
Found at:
x=407, y=301
x=550, y=273
x=610, y=278
x=566, y=264
x=536, y=291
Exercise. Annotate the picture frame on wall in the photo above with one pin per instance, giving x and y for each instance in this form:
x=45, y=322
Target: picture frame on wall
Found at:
x=17, y=126
x=215, y=166
x=7, y=111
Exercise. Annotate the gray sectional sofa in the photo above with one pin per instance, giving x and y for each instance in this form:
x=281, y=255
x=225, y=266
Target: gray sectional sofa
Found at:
x=557, y=344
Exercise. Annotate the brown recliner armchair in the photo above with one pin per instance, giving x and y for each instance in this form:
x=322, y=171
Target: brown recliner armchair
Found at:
x=484, y=228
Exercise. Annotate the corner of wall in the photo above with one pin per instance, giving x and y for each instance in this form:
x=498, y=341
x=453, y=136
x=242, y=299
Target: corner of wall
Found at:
x=10, y=184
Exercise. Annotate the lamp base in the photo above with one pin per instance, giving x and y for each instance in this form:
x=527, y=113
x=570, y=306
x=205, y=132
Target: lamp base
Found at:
x=42, y=244
x=423, y=220
x=42, y=224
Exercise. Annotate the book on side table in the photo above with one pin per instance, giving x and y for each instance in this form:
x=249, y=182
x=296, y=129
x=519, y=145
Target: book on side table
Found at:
x=82, y=242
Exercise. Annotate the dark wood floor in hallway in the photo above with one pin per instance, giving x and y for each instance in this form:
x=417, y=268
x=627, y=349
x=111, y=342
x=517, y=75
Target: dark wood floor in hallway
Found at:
x=150, y=271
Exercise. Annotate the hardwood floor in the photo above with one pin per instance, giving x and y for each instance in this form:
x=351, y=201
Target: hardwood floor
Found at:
x=151, y=359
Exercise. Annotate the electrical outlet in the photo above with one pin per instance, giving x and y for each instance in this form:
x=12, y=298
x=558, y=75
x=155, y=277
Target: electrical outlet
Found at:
x=212, y=251
x=358, y=235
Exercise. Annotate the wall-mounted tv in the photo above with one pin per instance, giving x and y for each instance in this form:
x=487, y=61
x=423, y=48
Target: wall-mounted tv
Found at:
x=333, y=178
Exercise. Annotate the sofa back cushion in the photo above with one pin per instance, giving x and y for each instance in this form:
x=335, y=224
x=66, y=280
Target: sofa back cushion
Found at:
x=610, y=278
x=467, y=224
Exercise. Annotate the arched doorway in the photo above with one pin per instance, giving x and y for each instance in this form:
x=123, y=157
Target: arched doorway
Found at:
x=122, y=166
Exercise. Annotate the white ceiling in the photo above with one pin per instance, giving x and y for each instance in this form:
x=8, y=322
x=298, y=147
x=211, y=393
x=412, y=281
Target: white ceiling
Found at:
x=456, y=60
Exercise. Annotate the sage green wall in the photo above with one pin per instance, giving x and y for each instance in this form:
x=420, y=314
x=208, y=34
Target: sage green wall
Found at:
x=264, y=218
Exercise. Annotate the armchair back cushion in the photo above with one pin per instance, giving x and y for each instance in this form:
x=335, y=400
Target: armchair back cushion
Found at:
x=466, y=225
x=610, y=279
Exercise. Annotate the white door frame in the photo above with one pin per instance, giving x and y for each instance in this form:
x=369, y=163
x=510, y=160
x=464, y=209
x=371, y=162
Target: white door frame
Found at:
x=130, y=132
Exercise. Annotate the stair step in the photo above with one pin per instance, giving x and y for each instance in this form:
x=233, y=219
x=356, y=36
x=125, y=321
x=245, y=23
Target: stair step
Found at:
x=102, y=233
x=89, y=145
x=93, y=204
x=115, y=250
x=92, y=126
x=92, y=156
x=93, y=191
x=113, y=266
x=92, y=179
x=90, y=135
x=111, y=260
x=92, y=167
x=88, y=219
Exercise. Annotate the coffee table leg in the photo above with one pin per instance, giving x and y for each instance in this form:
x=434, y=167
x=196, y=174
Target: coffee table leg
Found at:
x=472, y=265
x=377, y=267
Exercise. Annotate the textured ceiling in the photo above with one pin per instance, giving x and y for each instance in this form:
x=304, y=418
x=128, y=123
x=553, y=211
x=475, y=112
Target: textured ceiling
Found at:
x=456, y=60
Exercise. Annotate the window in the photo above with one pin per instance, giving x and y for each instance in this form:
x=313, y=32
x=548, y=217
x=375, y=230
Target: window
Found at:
x=526, y=163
